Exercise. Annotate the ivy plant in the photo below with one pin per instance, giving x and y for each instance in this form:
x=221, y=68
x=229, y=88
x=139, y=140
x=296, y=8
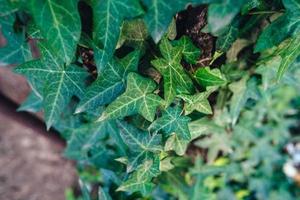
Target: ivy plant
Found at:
x=147, y=108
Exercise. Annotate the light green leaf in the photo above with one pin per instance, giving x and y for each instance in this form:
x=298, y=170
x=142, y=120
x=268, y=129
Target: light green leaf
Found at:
x=242, y=91
x=289, y=55
x=209, y=77
x=59, y=23
x=140, y=180
x=15, y=49
x=110, y=83
x=172, y=121
x=189, y=51
x=59, y=83
x=197, y=102
x=137, y=99
x=108, y=19
x=175, y=79
x=177, y=144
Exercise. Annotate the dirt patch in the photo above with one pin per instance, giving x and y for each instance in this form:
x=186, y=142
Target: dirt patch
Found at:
x=32, y=166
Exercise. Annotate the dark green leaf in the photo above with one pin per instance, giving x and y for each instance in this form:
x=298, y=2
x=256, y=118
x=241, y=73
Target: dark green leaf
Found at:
x=109, y=84
x=59, y=23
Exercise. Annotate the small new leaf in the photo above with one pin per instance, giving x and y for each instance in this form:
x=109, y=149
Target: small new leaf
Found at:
x=175, y=79
x=209, y=77
x=189, y=51
x=197, y=102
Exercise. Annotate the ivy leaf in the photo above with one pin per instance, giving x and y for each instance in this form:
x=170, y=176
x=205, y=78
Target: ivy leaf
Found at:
x=34, y=101
x=242, y=91
x=221, y=14
x=284, y=26
x=59, y=83
x=103, y=194
x=189, y=51
x=209, y=77
x=225, y=40
x=176, y=81
x=289, y=55
x=59, y=23
x=86, y=142
x=142, y=144
x=108, y=18
x=177, y=144
x=134, y=34
x=160, y=13
x=140, y=180
x=197, y=102
x=15, y=50
x=172, y=121
x=137, y=99
x=109, y=84
x=6, y=8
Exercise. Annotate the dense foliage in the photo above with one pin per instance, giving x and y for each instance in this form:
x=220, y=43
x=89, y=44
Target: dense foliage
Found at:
x=153, y=107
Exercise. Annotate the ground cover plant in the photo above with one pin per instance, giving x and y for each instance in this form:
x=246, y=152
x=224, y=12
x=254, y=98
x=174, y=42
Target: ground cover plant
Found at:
x=158, y=99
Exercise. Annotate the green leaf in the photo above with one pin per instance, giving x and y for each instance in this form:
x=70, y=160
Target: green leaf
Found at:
x=160, y=13
x=137, y=99
x=59, y=83
x=34, y=101
x=189, y=51
x=59, y=23
x=109, y=84
x=15, y=49
x=225, y=40
x=134, y=34
x=86, y=142
x=6, y=8
x=221, y=14
x=172, y=121
x=103, y=194
x=242, y=91
x=177, y=144
x=209, y=77
x=289, y=55
x=175, y=79
x=283, y=27
x=108, y=18
x=142, y=144
x=197, y=102
x=140, y=180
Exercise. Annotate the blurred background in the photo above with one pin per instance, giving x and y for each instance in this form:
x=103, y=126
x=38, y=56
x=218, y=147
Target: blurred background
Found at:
x=31, y=160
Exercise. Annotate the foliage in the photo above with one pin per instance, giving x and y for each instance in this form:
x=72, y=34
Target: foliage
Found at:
x=142, y=115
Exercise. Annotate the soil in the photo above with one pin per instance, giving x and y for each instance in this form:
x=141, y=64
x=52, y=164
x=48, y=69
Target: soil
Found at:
x=190, y=22
x=32, y=166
